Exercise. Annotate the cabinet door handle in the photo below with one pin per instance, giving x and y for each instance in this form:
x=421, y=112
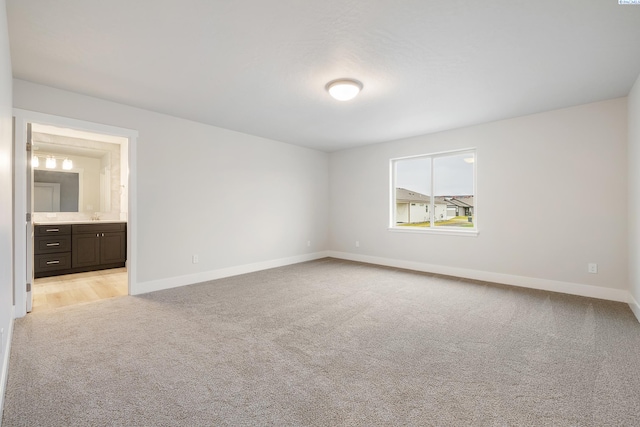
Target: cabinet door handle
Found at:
x=102, y=234
x=53, y=230
x=53, y=244
x=53, y=262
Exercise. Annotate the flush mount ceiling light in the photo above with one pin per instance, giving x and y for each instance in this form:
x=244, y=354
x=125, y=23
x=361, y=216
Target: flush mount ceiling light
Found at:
x=344, y=89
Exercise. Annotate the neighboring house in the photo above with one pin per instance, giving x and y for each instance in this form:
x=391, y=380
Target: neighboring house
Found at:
x=413, y=207
x=457, y=205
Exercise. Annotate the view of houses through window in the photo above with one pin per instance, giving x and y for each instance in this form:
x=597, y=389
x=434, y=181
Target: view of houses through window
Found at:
x=435, y=190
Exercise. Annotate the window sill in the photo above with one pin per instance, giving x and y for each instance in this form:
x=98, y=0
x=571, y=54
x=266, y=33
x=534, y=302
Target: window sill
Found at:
x=447, y=231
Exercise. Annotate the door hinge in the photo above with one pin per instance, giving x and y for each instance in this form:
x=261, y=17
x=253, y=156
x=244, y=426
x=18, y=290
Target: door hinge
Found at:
x=28, y=146
x=28, y=287
x=28, y=216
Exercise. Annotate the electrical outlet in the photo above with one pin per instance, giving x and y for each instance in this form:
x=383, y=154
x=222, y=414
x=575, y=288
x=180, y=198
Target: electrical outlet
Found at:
x=357, y=243
x=194, y=259
x=592, y=268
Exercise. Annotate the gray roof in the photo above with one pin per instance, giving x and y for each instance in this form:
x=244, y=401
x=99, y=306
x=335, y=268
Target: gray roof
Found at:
x=459, y=201
x=409, y=196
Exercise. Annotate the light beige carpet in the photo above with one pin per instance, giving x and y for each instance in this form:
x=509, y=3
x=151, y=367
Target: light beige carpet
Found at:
x=329, y=343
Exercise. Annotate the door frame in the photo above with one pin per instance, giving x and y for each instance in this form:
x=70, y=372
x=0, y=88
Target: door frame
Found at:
x=22, y=117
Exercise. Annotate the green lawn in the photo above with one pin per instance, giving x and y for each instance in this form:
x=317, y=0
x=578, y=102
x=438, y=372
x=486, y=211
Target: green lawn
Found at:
x=458, y=221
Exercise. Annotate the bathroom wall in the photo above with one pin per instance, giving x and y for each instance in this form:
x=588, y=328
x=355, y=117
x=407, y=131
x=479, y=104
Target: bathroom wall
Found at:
x=93, y=167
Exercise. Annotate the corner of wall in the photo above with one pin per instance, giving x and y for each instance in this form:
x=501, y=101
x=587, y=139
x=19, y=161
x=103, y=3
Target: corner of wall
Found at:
x=7, y=308
x=205, y=276
x=635, y=307
x=4, y=373
x=633, y=185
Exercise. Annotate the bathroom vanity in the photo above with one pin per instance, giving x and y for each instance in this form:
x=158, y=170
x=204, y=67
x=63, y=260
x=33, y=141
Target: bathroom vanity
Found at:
x=75, y=247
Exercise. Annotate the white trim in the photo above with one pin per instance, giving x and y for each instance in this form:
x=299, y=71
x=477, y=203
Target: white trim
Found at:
x=4, y=374
x=175, y=282
x=635, y=307
x=507, y=279
x=393, y=175
x=20, y=212
x=66, y=122
x=436, y=154
x=448, y=231
x=22, y=117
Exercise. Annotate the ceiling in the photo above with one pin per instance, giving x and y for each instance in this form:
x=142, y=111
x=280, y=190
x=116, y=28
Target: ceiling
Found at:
x=70, y=142
x=43, y=148
x=260, y=67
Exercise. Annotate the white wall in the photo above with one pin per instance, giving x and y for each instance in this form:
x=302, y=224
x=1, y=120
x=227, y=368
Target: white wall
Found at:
x=233, y=199
x=6, y=202
x=634, y=196
x=551, y=198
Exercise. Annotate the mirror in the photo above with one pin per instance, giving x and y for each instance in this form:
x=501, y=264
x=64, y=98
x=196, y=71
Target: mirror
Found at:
x=86, y=184
x=55, y=191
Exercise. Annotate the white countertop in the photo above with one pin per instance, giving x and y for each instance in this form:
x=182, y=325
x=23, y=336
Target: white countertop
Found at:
x=86, y=221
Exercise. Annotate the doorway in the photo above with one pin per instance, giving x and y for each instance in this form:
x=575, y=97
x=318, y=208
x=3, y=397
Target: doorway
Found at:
x=50, y=293
x=77, y=180
x=94, y=167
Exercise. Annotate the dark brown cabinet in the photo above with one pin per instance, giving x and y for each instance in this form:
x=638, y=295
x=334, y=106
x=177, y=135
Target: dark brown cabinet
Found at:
x=86, y=249
x=52, y=249
x=79, y=247
x=99, y=244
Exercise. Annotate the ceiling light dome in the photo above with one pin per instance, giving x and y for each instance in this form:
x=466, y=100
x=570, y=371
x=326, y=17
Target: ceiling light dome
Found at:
x=344, y=89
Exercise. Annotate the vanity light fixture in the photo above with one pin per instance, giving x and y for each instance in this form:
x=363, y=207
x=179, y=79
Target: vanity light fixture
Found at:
x=50, y=163
x=67, y=164
x=35, y=162
x=344, y=89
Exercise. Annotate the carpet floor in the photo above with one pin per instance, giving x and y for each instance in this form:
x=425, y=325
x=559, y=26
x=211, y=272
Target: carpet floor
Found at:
x=329, y=343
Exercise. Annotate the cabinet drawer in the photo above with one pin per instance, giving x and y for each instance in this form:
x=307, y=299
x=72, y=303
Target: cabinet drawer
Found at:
x=51, y=244
x=51, y=262
x=98, y=228
x=51, y=230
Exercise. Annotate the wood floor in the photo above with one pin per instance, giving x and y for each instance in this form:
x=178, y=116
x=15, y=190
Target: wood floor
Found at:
x=59, y=291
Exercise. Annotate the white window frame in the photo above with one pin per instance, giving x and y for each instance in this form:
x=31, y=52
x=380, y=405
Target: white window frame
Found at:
x=441, y=229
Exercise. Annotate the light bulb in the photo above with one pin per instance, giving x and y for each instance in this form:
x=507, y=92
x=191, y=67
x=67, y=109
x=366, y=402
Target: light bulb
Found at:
x=344, y=89
x=67, y=164
x=35, y=162
x=50, y=163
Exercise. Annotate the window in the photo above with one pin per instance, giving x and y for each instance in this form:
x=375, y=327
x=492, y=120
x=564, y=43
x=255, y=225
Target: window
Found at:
x=444, y=183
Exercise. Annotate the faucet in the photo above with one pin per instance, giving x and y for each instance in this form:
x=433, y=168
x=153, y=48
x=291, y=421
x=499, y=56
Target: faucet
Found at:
x=96, y=216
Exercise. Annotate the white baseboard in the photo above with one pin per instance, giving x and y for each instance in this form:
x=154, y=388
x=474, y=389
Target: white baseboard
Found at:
x=174, y=282
x=4, y=374
x=635, y=307
x=507, y=279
